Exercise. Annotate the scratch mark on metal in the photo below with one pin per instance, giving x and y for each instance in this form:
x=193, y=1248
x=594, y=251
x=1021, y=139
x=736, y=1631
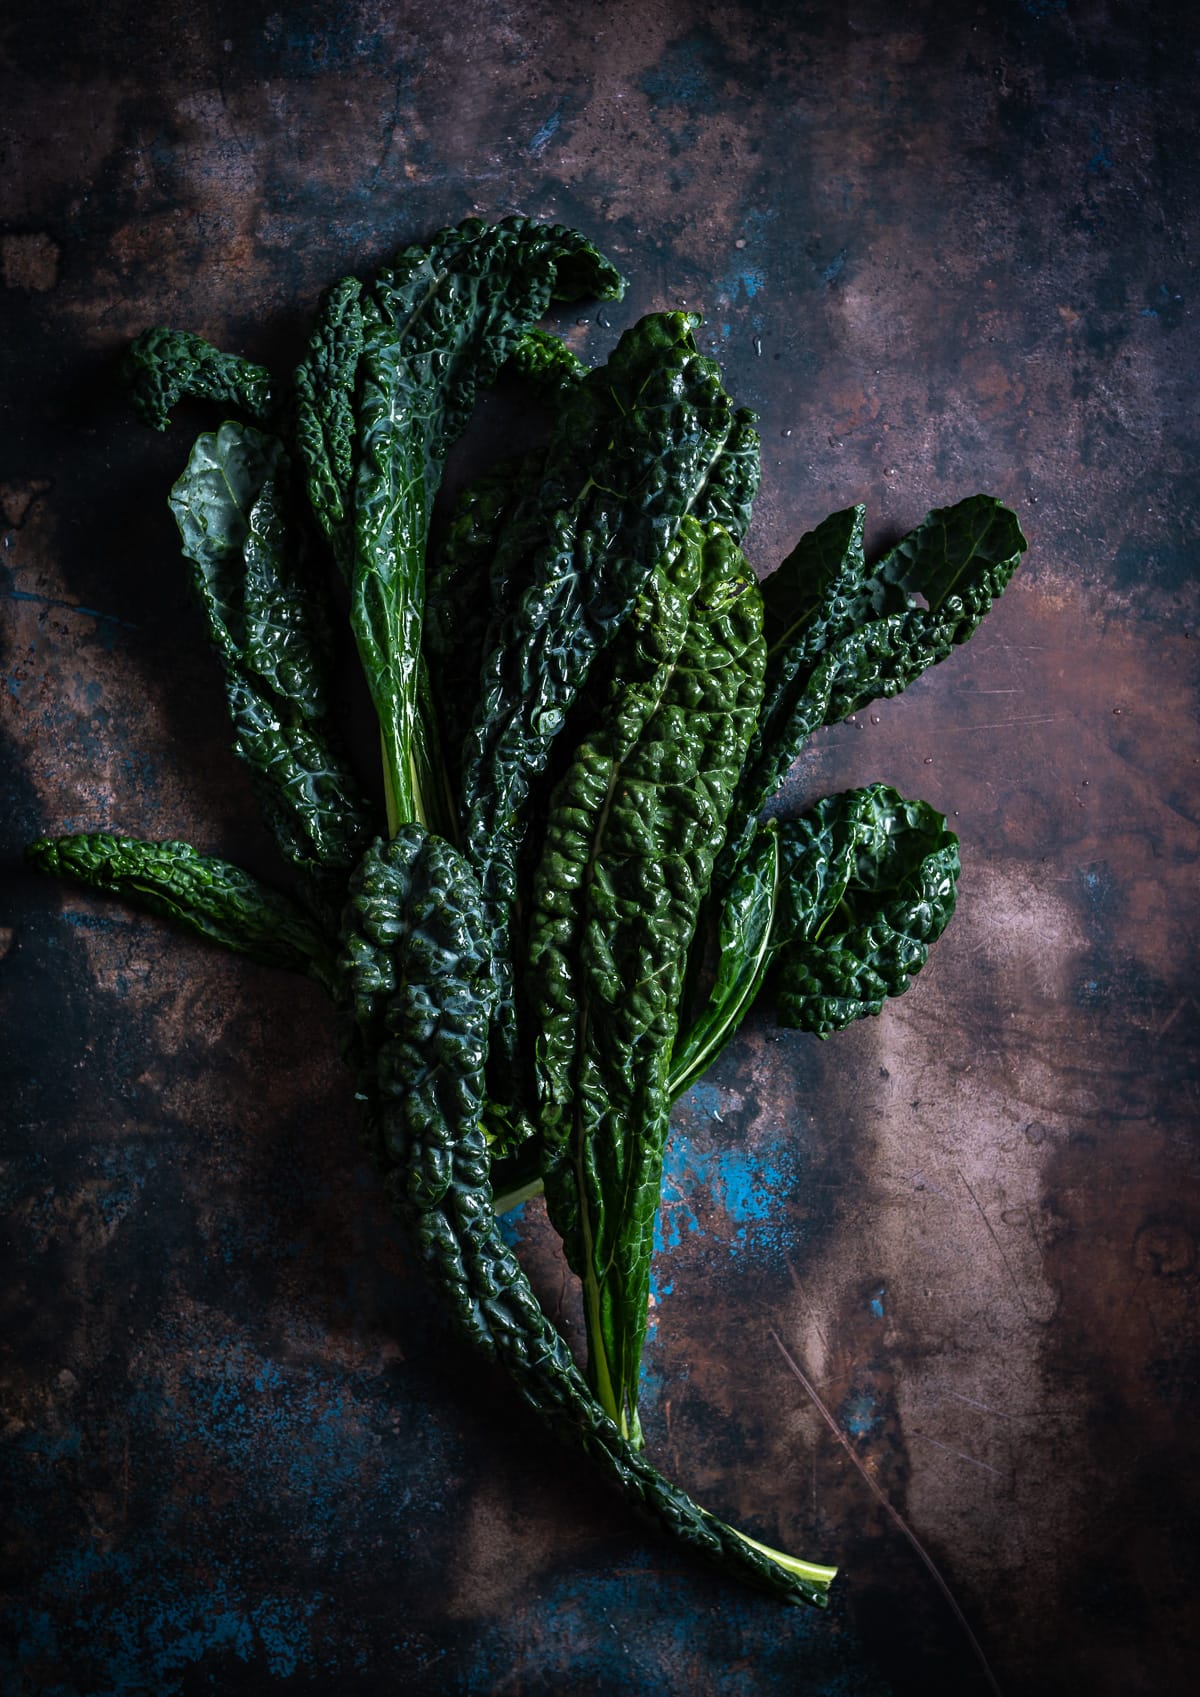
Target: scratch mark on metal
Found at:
x=812, y=1313
x=962, y=1456
x=999, y=1246
x=971, y=1403
x=67, y=606
x=389, y=138
x=1006, y=724
x=1173, y=1016
x=894, y=1515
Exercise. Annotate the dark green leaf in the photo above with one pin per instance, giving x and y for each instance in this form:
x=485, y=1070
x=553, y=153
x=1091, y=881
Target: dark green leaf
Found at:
x=547, y=360
x=419, y=999
x=263, y=613
x=845, y=901
x=436, y=327
x=633, y=829
x=465, y=596
x=163, y=367
x=210, y=896
x=733, y=479
x=743, y=954
x=841, y=634
x=631, y=455
x=868, y=884
x=325, y=382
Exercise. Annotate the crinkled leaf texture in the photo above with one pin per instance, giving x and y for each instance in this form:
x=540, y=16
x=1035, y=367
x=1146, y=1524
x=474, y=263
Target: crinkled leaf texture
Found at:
x=637, y=447
x=265, y=616
x=843, y=902
x=201, y=892
x=868, y=882
x=163, y=367
x=405, y=357
x=601, y=656
x=469, y=587
x=417, y=1011
x=744, y=950
x=633, y=829
x=841, y=633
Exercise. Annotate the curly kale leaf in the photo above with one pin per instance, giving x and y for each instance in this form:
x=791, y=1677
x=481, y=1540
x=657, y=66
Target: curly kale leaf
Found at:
x=324, y=385
x=632, y=453
x=466, y=592
x=265, y=616
x=163, y=367
x=868, y=884
x=419, y=1004
x=843, y=903
x=209, y=896
x=841, y=633
x=547, y=360
x=436, y=327
x=732, y=484
x=633, y=829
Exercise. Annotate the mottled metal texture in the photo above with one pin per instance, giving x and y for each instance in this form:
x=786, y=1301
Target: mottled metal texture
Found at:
x=938, y=252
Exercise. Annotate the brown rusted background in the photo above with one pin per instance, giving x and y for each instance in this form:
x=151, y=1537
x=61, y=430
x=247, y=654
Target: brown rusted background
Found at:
x=937, y=253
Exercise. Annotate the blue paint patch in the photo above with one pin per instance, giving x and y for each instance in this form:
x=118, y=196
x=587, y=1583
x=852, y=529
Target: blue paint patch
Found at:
x=47, y=1447
x=237, y=1447
x=650, y=1376
x=835, y=267
x=124, y=1180
x=705, y=1099
x=1166, y=304
x=676, y=1218
x=163, y=1625
x=95, y=921
x=1100, y=160
x=541, y=138
x=740, y=285
x=747, y=1188
x=746, y=277
x=858, y=1414
x=246, y=1417
x=108, y=622
x=510, y=1225
x=875, y=1302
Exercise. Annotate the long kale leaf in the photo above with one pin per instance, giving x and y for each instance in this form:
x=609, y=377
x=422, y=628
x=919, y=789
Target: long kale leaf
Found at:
x=324, y=386
x=265, y=617
x=467, y=592
x=436, y=326
x=207, y=895
x=418, y=1010
x=841, y=633
x=634, y=449
x=632, y=833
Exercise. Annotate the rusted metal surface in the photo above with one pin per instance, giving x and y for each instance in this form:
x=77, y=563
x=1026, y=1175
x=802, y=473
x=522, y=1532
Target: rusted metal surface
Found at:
x=937, y=255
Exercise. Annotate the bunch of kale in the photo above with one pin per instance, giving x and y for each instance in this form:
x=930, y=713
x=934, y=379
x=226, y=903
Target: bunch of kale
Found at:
x=584, y=700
